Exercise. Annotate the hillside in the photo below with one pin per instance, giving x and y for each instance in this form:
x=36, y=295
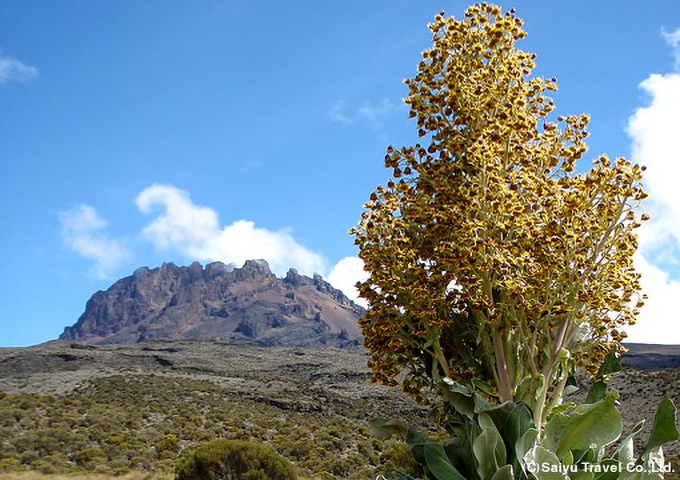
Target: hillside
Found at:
x=651, y=357
x=72, y=407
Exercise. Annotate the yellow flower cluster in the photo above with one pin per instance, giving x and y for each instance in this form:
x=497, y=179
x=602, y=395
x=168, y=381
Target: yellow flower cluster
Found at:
x=487, y=254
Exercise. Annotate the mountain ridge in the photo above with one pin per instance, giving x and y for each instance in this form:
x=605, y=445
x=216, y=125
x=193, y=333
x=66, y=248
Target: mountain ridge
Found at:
x=219, y=302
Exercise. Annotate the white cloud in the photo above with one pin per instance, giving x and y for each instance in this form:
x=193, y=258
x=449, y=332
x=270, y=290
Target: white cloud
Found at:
x=83, y=232
x=338, y=114
x=673, y=39
x=373, y=114
x=345, y=274
x=183, y=225
x=12, y=69
x=194, y=231
x=656, y=144
x=659, y=320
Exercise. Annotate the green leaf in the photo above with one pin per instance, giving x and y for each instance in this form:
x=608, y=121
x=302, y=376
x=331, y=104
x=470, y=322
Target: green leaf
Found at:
x=544, y=465
x=481, y=405
x=588, y=426
x=650, y=465
x=461, y=397
x=459, y=451
x=383, y=428
x=416, y=442
x=581, y=337
x=529, y=388
x=611, y=365
x=456, y=431
x=569, y=389
x=438, y=463
x=498, y=413
x=482, y=386
x=597, y=392
x=583, y=456
x=608, y=470
x=524, y=445
x=664, y=430
x=562, y=408
x=654, y=461
x=489, y=451
x=453, y=386
x=485, y=421
x=519, y=421
x=463, y=404
x=504, y=473
x=626, y=451
x=414, y=437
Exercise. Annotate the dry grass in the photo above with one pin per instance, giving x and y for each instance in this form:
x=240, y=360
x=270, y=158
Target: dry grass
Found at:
x=86, y=476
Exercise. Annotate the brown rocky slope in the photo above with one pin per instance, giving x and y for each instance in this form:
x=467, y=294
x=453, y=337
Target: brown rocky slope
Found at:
x=219, y=303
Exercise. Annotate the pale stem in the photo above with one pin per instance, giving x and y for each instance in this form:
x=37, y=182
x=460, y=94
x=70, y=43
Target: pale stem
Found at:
x=437, y=352
x=557, y=394
x=439, y=355
x=488, y=358
x=505, y=386
x=530, y=356
x=511, y=367
x=558, y=343
x=539, y=406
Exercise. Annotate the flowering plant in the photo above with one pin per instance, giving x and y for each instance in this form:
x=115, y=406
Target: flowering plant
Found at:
x=491, y=262
x=495, y=269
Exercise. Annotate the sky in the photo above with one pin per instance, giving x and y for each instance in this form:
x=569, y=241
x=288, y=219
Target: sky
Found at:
x=136, y=133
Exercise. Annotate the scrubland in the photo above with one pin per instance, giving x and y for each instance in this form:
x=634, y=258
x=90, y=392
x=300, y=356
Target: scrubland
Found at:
x=118, y=424
x=119, y=412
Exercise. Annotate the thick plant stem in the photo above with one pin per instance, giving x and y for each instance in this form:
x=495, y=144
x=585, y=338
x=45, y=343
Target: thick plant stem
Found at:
x=540, y=405
x=505, y=385
x=539, y=410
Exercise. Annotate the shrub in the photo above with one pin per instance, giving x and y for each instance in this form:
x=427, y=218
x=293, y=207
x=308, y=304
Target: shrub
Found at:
x=44, y=467
x=234, y=460
x=10, y=465
x=167, y=447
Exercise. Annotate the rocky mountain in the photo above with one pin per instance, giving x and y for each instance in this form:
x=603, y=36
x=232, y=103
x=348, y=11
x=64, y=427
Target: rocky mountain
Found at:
x=219, y=302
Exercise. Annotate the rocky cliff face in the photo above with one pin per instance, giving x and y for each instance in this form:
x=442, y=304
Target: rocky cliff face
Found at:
x=219, y=302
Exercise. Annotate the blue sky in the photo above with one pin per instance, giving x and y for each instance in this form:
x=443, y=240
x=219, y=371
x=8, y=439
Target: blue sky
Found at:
x=136, y=133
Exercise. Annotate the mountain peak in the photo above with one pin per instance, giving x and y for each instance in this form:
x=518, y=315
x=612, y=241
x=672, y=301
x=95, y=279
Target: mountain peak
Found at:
x=219, y=302
x=259, y=264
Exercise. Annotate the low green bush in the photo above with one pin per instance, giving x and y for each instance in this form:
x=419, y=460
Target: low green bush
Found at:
x=234, y=460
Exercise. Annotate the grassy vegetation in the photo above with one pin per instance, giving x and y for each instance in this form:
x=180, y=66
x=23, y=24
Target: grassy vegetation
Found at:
x=124, y=423
x=32, y=475
x=134, y=427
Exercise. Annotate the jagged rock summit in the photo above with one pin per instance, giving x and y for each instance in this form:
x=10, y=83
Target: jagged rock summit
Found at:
x=219, y=302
